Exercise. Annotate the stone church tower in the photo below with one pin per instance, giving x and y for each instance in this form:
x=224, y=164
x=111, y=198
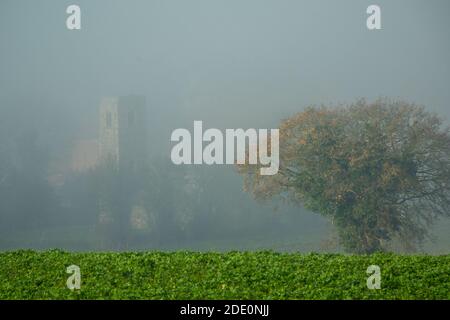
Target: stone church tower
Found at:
x=122, y=131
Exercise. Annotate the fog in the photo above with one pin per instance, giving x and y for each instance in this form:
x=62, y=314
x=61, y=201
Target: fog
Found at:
x=231, y=64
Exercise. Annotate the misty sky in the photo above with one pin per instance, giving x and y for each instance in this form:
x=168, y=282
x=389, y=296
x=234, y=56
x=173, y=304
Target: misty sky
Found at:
x=229, y=63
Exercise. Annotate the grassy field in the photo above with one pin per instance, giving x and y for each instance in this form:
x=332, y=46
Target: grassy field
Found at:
x=233, y=275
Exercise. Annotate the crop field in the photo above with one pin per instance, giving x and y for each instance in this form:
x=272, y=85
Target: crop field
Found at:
x=233, y=275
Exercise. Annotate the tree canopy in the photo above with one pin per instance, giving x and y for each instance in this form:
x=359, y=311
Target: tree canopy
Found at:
x=380, y=171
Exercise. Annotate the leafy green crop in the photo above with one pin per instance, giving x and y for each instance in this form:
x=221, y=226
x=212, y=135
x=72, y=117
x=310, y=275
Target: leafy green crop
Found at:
x=233, y=275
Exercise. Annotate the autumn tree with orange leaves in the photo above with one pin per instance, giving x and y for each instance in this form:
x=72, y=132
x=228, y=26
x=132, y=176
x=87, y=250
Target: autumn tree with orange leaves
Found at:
x=379, y=171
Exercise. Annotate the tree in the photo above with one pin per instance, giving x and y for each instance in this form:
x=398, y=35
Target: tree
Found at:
x=114, y=190
x=27, y=201
x=380, y=171
x=142, y=207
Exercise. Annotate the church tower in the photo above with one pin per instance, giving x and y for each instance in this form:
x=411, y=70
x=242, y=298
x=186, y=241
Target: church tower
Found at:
x=122, y=131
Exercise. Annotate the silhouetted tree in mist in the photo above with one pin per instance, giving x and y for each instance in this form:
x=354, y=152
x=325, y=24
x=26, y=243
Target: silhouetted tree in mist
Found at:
x=379, y=171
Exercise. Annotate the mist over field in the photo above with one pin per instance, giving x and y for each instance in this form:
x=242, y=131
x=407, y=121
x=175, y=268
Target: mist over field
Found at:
x=231, y=64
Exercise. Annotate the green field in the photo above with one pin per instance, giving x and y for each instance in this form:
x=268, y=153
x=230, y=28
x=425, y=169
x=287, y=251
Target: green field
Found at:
x=232, y=275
